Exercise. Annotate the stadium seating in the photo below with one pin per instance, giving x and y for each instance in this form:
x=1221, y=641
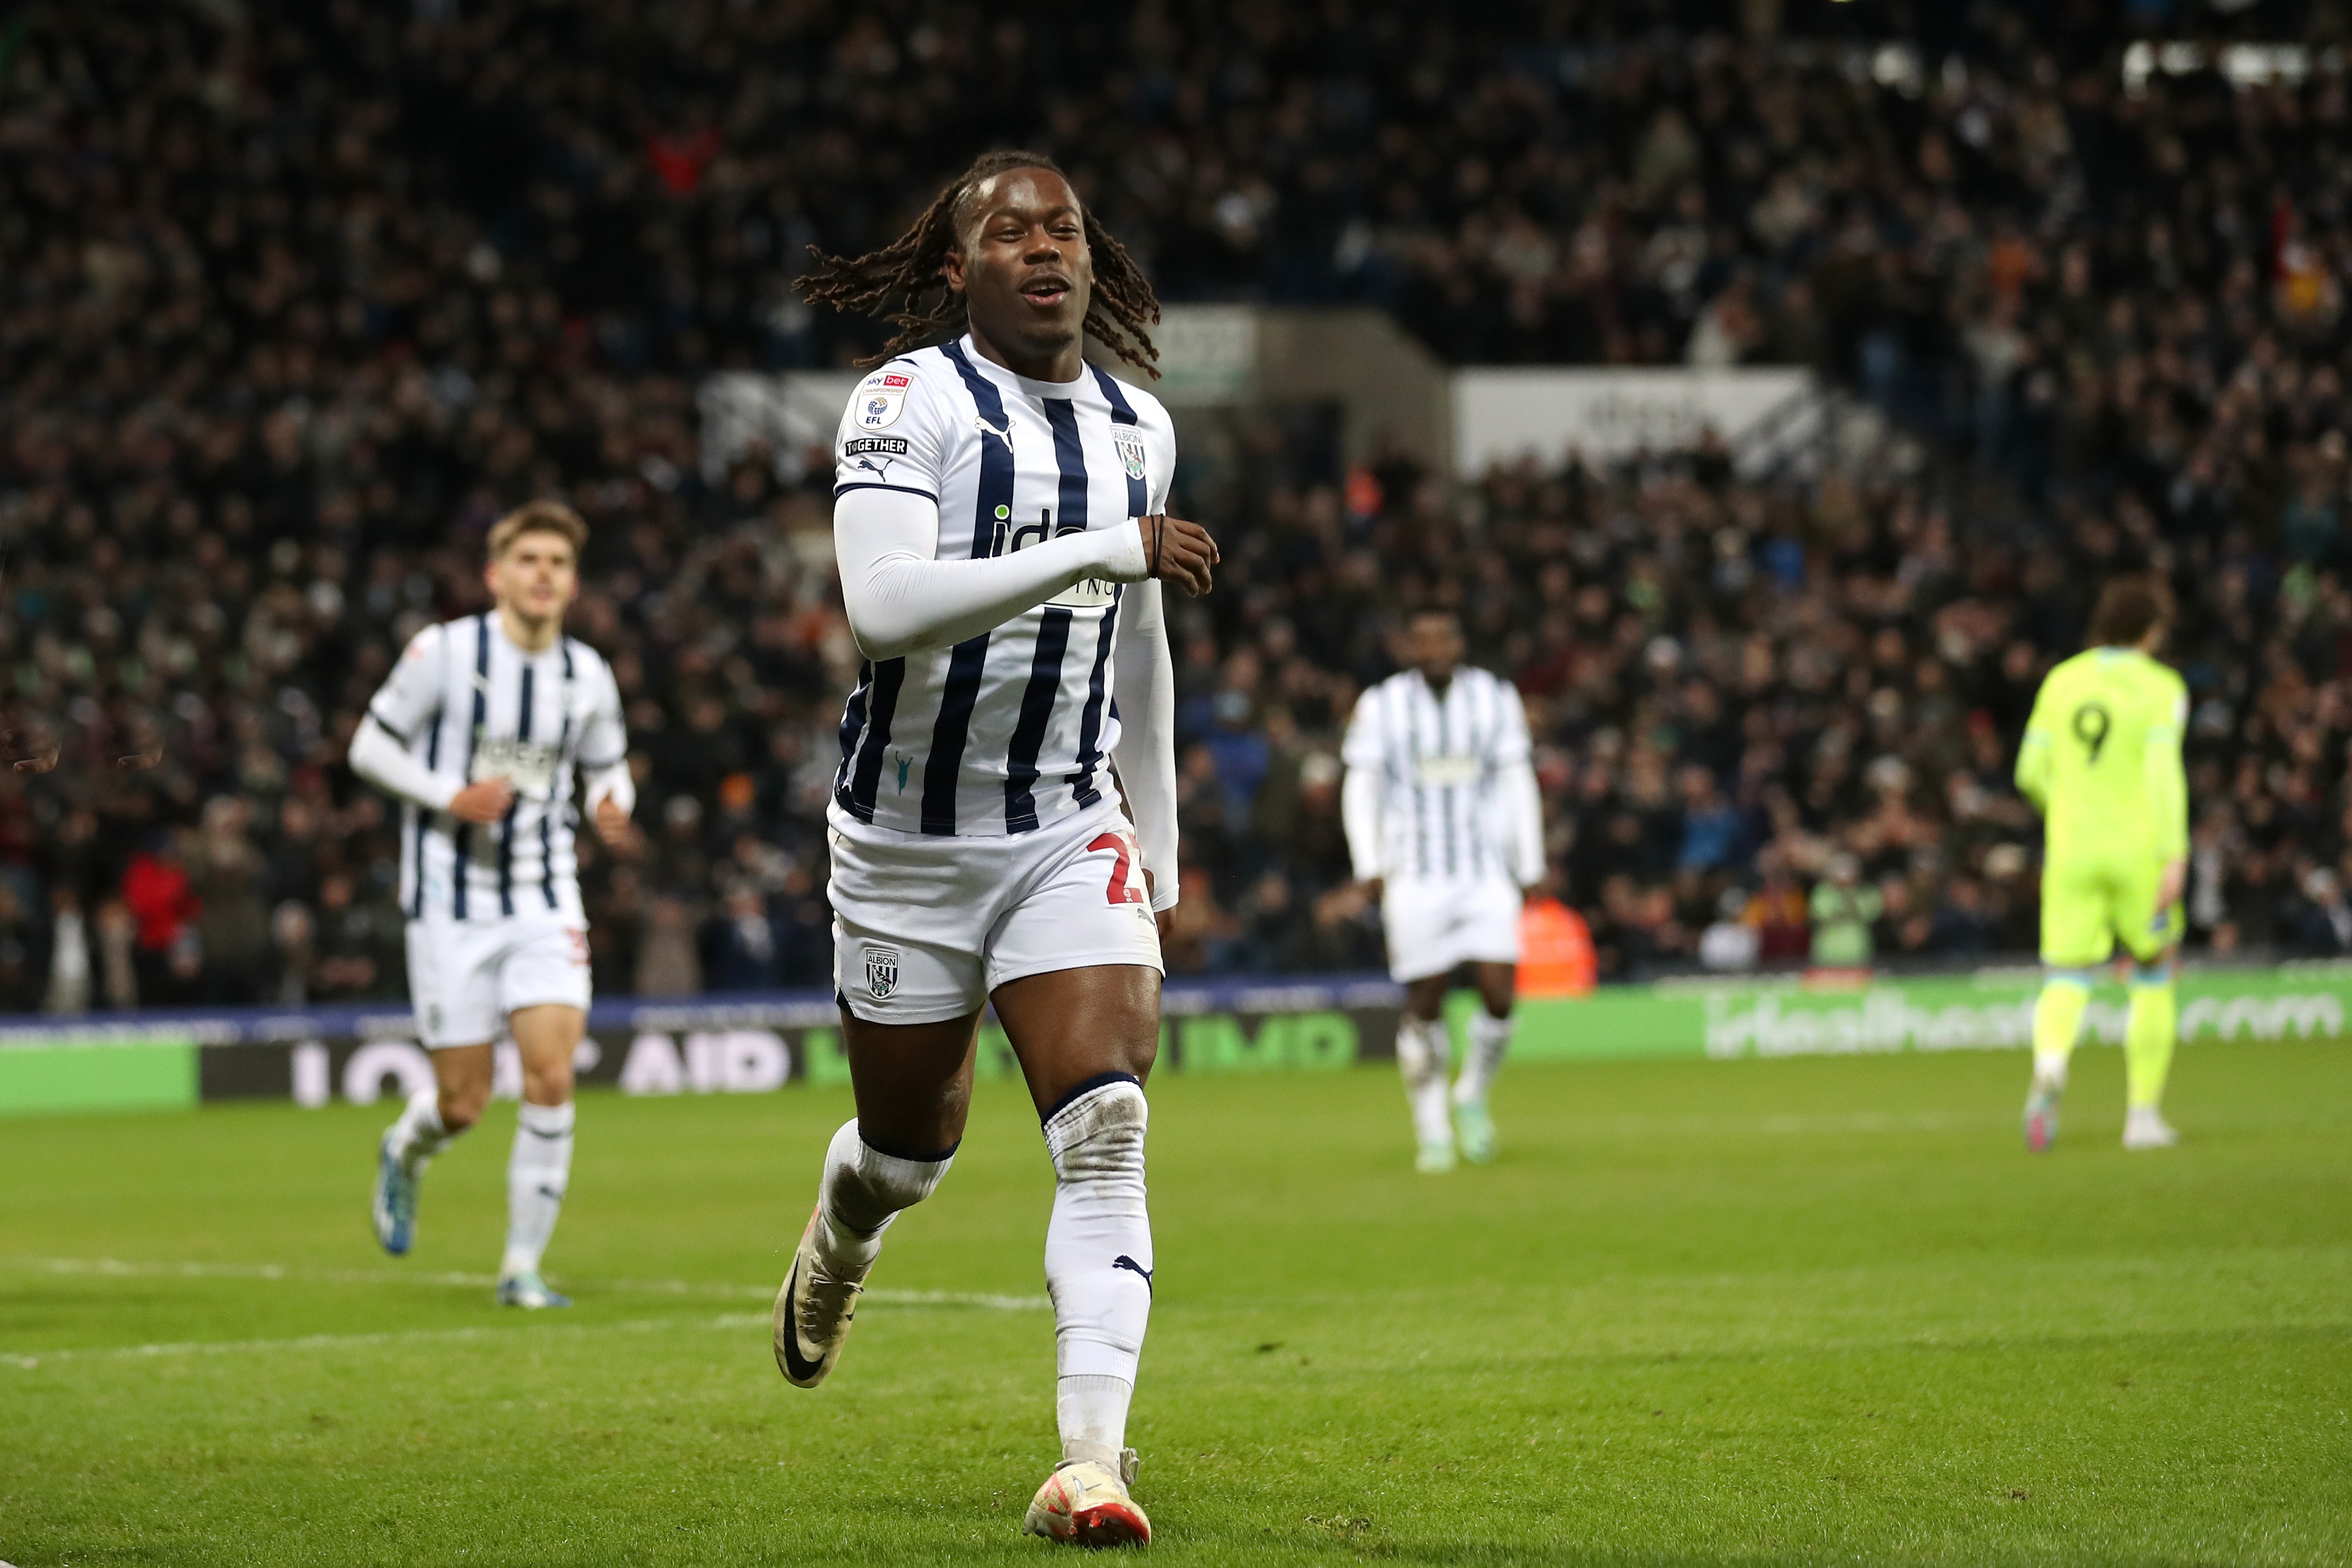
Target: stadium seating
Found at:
x=293, y=307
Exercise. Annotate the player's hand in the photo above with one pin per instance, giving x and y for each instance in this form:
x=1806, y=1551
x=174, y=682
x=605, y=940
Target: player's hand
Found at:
x=1373, y=887
x=1178, y=551
x=2169, y=887
x=612, y=822
x=485, y=802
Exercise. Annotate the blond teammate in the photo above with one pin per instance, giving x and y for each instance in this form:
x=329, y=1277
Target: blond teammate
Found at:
x=481, y=730
x=2101, y=759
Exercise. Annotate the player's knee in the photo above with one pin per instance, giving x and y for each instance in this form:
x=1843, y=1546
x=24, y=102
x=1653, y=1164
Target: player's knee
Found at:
x=549, y=1084
x=1100, y=1132
x=462, y=1106
x=886, y=1180
x=1421, y=1051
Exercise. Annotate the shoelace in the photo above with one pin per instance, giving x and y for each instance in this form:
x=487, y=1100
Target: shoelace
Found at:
x=815, y=1281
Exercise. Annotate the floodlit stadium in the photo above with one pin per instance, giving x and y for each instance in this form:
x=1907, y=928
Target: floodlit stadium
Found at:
x=1669, y=687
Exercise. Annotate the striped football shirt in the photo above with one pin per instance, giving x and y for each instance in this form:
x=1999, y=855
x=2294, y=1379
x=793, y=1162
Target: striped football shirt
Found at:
x=1011, y=729
x=472, y=706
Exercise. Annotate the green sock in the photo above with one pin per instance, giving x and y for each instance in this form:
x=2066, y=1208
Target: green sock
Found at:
x=2058, y=1021
x=2148, y=1032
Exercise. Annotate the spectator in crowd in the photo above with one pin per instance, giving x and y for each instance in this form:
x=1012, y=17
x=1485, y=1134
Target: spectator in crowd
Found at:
x=1844, y=909
x=739, y=944
x=357, y=944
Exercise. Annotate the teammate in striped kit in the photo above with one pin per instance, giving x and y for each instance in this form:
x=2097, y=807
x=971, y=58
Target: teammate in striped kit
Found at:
x=480, y=731
x=1003, y=822
x=1444, y=819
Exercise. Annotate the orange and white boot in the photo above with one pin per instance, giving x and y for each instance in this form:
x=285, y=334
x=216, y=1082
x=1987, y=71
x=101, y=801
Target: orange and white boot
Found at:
x=1085, y=1503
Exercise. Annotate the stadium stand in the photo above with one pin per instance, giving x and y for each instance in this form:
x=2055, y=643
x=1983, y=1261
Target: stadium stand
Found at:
x=295, y=299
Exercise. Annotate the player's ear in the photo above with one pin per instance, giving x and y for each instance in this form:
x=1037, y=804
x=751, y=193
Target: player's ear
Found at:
x=952, y=269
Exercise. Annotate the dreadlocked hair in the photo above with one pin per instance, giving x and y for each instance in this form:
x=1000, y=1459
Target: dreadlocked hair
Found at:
x=905, y=283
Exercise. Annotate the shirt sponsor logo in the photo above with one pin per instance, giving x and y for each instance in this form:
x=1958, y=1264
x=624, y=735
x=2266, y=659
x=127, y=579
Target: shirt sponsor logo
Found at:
x=1437, y=772
x=527, y=766
x=1087, y=594
x=882, y=971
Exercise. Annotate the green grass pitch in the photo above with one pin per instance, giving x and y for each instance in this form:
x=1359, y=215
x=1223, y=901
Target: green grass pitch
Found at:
x=1799, y=1311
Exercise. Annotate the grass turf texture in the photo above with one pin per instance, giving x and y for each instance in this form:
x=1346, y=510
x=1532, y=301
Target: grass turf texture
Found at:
x=1749, y=1312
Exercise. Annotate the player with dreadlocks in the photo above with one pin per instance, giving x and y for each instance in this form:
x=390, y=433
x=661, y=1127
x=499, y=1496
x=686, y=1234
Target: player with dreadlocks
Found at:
x=1004, y=819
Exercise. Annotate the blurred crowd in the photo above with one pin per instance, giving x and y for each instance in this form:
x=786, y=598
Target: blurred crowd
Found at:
x=1776, y=721
x=295, y=299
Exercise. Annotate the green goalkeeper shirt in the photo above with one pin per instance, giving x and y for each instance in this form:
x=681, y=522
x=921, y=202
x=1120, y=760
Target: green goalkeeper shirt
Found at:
x=2102, y=758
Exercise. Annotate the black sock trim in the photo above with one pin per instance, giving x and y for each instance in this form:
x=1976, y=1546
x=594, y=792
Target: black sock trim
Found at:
x=1087, y=1086
x=932, y=1157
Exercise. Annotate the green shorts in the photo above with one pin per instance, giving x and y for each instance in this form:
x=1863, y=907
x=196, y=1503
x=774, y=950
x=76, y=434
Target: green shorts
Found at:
x=2088, y=906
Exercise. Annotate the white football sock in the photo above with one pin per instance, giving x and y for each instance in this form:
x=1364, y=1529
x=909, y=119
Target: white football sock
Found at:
x=538, y=1171
x=1422, y=1047
x=418, y=1135
x=862, y=1192
x=1092, y=1414
x=1490, y=1037
x=1098, y=1263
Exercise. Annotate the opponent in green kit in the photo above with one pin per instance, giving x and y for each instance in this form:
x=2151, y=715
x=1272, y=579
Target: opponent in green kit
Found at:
x=2102, y=761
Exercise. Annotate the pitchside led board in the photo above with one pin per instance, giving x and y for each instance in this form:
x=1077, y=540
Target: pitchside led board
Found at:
x=758, y=1044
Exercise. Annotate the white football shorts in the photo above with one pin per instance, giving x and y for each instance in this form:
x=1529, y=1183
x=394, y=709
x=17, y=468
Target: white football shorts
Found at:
x=465, y=976
x=1437, y=924
x=924, y=926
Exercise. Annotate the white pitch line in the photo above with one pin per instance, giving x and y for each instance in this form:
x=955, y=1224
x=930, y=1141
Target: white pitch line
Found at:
x=115, y=1268
x=27, y=1361
x=1796, y=1125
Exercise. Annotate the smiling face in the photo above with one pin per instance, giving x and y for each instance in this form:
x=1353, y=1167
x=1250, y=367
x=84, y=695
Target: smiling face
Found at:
x=1024, y=271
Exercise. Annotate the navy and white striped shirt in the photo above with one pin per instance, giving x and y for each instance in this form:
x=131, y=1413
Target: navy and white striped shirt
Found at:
x=1013, y=729
x=1455, y=789
x=470, y=705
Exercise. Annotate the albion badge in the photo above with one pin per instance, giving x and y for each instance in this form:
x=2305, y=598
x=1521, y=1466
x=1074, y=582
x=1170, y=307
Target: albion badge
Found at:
x=1131, y=451
x=881, y=972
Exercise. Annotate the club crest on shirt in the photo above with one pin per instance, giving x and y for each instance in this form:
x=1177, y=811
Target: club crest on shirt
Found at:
x=882, y=971
x=1129, y=443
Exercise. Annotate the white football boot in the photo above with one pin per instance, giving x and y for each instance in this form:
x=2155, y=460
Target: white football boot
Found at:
x=2146, y=1128
x=1085, y=1503
x=812, y=1313
x=528, y=1290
